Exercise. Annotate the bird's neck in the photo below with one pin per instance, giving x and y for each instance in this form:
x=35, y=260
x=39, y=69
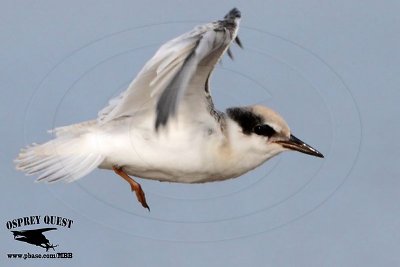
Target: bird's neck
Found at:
x=241, y=152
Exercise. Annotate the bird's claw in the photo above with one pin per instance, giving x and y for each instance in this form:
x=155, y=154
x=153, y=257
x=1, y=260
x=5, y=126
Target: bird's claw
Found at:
x=140, y=196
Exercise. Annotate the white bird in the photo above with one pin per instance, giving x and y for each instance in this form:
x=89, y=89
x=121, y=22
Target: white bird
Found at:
x=165, y=127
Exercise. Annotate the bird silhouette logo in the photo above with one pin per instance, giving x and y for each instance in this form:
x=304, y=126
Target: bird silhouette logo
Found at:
x=35, y=237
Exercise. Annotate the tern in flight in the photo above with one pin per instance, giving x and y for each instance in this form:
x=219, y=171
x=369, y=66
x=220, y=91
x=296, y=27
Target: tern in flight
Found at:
x=165, y=127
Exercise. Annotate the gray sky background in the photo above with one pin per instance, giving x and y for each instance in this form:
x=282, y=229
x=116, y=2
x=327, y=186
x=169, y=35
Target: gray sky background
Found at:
x=331, y=69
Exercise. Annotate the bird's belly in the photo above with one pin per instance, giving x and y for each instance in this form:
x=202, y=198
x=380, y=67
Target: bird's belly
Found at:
x=176, y=175
x=180, y=167
x=173, y=169
x=186, y=158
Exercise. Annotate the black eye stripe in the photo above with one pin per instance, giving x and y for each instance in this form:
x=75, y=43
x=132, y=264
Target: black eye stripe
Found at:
x=245, y=118
x=264, y=130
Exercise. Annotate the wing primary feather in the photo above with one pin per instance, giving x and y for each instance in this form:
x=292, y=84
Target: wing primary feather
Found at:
x=230, y=53
x=166, y=105
x=238, y=42
x=232, y=14
x=167, y=76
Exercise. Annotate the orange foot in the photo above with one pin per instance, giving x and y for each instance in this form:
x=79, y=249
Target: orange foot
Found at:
x=135, y=186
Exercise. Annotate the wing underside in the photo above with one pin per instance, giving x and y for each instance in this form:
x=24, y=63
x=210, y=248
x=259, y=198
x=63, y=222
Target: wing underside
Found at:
x=178, y=74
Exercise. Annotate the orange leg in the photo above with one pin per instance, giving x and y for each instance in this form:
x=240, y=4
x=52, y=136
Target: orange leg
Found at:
x=134, y=186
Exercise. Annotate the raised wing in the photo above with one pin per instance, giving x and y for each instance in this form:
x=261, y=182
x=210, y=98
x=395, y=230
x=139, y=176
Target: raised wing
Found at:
x=41, y=230
x=32, y=232
x=178, y=73
x=44, y=229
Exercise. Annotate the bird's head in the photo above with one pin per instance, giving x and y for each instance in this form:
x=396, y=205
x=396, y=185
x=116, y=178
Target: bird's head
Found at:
x=264, y=131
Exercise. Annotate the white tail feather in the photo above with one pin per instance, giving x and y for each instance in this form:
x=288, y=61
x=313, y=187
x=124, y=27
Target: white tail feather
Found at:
x=62, y=159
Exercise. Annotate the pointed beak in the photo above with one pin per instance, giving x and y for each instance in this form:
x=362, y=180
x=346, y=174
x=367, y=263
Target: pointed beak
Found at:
x=296, y=144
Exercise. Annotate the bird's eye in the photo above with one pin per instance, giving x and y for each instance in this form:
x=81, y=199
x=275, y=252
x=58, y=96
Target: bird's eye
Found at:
x=264, y=130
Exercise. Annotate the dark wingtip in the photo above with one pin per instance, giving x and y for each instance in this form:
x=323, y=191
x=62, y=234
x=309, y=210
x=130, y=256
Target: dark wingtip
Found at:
x=230, y=53
x=233, y=13
x=238, y=42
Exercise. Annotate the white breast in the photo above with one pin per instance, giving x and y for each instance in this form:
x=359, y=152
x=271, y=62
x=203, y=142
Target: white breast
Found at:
x=183, y=152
